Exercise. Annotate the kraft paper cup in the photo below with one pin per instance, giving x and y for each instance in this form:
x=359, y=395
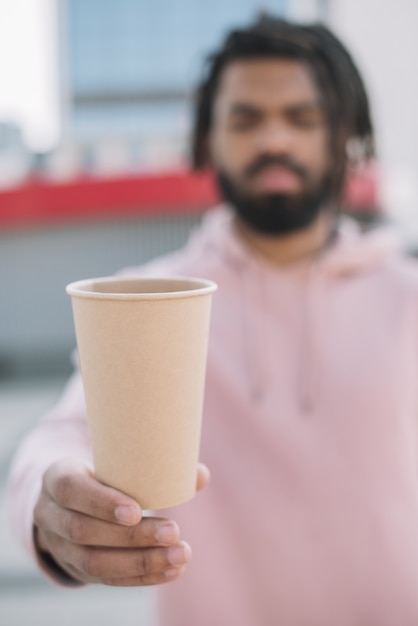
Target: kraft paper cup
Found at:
x=142, y=345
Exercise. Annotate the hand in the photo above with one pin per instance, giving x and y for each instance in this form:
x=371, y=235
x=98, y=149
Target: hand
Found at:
x=97, y=534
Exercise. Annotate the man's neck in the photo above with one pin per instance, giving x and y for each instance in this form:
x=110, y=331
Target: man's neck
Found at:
x=292, y=248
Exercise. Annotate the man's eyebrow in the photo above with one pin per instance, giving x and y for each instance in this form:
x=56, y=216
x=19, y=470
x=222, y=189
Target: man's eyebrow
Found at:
x=245, y=108
x=314, y=106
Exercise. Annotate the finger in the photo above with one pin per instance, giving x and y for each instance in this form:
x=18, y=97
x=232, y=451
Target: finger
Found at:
x=203, y=476
x=133, y=581
x=88, y=531
x=149, y=579
x=98, y=564
x=74, y=487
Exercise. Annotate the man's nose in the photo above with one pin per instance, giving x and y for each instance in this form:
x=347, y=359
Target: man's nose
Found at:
x=275, y=138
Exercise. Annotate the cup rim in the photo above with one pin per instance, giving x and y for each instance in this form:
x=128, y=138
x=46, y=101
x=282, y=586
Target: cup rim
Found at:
x=90, y=287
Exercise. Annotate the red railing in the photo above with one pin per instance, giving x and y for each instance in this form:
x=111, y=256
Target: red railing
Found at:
x=38, y=202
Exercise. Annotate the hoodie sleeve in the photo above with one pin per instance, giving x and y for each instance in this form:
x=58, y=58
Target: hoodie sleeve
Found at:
x=61, y=433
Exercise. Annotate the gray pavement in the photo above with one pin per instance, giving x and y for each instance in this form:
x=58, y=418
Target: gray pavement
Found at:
x=26, y=599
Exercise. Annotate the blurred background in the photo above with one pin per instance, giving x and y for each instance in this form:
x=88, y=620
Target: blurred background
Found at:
x=95, y=115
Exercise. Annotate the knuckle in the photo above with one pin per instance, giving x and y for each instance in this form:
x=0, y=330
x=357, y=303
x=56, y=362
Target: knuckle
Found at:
x=100, y=504
x=63, y=489
x=132, y=536
x=91, y=563
x=76, y=529
x=144, y=562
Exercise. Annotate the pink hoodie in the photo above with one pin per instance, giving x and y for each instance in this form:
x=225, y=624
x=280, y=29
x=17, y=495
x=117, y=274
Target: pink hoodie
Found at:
x=310, y=432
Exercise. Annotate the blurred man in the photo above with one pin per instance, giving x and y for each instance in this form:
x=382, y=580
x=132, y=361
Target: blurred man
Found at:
x=310, y=422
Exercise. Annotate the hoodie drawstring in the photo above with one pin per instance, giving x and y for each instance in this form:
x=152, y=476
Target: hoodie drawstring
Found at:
x=256, y=343
x=255, y=349
x=310, y=344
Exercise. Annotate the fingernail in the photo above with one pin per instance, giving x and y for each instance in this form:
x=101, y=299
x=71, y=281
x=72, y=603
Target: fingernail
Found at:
x=179, y=554
x=128, y=514
x=168, y=533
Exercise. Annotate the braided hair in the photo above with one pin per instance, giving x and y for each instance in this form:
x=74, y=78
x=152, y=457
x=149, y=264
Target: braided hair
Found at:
x=338, y=79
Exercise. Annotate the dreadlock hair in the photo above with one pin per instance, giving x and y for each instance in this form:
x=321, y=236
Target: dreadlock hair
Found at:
x=338, y=79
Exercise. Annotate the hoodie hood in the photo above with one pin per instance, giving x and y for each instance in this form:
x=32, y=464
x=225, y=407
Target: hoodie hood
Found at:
x=351, y=253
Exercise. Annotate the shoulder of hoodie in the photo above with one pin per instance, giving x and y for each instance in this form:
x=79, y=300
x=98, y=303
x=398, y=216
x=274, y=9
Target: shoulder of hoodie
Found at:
x=377, y=252
x=403, y=269
x=400, y=274
x=399, y=269
x=200, y=256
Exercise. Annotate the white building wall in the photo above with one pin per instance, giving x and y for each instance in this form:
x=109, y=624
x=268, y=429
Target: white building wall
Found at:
x=36, y=325
x=382, y=36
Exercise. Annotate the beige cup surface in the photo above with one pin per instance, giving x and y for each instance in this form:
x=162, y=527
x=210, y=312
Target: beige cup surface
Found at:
x=142, y=345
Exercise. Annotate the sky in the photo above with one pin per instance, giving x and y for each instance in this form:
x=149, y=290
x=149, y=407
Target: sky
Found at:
x=29, y=68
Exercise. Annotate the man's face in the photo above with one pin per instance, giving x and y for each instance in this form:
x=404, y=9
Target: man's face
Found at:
x=269, y=143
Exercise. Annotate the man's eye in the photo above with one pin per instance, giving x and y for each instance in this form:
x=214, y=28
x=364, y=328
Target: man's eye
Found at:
x=306, y=121
x=243, y=123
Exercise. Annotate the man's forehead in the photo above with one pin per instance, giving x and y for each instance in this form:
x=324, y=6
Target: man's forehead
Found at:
x=251, y=79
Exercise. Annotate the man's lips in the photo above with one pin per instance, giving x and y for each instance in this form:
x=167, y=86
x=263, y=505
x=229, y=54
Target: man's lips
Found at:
x=277, y=179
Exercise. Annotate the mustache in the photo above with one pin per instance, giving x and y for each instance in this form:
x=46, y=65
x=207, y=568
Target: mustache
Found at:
x=267, y=160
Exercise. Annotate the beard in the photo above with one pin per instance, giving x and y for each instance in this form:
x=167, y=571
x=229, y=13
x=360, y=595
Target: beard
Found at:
x=276, y=213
